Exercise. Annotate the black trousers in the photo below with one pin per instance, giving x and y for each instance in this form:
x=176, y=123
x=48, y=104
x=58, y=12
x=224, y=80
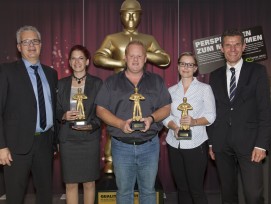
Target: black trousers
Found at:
x=38, y=162
x=228, y=163
x=188, y=168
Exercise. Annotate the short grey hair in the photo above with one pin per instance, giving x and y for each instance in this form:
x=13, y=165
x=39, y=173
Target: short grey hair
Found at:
x=26, y=28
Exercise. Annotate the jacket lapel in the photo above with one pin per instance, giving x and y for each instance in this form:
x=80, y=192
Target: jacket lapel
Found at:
x=223, y=84
x=87, y=92
x=25, y=79
x=244, y=77
x=67, y=94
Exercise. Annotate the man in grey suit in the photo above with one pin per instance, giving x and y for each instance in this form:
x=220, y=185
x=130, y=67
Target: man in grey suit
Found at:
x=240, y=136
x=27, y=115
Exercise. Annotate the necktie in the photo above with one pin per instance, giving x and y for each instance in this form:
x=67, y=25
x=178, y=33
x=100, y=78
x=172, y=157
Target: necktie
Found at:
x=232, y=84
x=40, y=98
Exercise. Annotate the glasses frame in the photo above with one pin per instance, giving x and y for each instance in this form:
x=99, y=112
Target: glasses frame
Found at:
x=188, y=65
x=29, y=42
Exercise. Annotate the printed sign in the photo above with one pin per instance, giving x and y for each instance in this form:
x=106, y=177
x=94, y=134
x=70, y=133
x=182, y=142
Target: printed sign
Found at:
x=110, y=198
x=210, y=57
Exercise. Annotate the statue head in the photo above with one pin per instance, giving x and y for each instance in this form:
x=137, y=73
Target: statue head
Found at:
x=130, y=12
x=130, y=5
x=79, y=90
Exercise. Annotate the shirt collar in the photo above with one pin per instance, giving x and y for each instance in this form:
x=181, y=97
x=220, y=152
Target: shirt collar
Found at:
x=237, y=67
x=28, y=64
x=195, y=81
x=145, y=73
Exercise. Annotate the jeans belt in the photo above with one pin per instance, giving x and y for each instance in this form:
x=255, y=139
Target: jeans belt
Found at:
x=133, y=142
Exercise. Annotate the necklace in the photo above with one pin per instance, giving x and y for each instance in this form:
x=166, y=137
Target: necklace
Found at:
x=79, y=79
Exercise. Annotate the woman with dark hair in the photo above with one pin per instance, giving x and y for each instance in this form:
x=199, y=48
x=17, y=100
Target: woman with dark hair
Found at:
x=79, y=145
x=192, y=109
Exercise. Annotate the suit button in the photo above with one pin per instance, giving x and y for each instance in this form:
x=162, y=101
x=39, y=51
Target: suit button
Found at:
x=231, y=108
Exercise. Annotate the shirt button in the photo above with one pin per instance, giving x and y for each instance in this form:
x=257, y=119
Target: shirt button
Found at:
x=231, y=108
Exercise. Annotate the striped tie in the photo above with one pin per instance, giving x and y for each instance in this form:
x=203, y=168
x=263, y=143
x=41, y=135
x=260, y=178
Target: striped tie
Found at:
x=40, y=98
x=232, y=84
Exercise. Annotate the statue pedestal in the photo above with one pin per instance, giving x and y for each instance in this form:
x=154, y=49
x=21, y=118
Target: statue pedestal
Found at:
x=106, y=190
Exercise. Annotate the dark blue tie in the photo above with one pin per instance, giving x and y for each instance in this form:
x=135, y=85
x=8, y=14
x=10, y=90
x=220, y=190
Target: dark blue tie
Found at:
x=232, y=84
x=41, y=98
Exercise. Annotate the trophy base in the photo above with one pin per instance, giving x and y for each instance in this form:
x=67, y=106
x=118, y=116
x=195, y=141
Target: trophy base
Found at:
x=184, y=135
x=78, y=123
x=137, y=125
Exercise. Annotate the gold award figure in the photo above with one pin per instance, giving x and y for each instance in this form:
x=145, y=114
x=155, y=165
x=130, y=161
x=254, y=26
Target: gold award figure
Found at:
x=184, y=132
x=136, y=124
x=111, y=54
x=79, y=97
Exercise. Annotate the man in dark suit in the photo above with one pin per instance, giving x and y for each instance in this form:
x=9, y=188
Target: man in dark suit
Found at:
x=241, y=133
x=27, y=111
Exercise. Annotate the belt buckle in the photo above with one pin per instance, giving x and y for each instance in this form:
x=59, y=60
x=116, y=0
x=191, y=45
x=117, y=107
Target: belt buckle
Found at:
x=139, y=142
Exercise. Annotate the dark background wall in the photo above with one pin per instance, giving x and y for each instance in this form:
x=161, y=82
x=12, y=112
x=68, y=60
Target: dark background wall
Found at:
x=174, y=23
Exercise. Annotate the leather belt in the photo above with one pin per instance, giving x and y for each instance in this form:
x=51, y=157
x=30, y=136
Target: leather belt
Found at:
x=131, y=142
x=40, y=133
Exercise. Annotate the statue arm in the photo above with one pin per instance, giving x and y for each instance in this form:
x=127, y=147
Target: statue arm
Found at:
x=157, y=56
x=104, y=56
x=74, y=97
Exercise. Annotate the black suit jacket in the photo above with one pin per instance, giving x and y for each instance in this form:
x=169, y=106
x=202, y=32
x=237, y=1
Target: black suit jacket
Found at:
x=92, y=86
x=18, y=108
x=247, y=119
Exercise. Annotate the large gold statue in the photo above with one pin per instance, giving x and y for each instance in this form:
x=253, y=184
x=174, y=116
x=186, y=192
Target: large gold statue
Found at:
x=111, y=54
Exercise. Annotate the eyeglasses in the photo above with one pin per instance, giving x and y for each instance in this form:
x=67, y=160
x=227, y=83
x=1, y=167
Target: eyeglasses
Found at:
x=29, y=42
x=188, y=65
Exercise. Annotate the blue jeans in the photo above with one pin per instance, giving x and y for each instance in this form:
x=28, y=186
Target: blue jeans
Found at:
x=136, y=163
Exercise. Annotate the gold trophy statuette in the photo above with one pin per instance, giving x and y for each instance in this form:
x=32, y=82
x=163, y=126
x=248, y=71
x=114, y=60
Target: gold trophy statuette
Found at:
x=184, y=132
x=136, y=124
x=79, y=97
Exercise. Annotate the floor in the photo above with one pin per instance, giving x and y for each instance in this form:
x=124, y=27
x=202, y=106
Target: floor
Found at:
x=169, y=198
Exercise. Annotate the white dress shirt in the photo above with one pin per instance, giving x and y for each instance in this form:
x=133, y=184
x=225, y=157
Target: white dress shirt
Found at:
x=47, y=95
x=200, y=96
